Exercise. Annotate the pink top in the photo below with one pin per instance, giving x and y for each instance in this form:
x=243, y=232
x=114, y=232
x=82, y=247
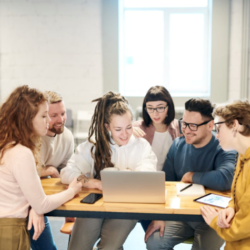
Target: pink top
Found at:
x=20, y=186
x=173, y=130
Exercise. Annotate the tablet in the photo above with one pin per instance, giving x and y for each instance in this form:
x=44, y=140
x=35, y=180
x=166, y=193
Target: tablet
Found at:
x=214, y=200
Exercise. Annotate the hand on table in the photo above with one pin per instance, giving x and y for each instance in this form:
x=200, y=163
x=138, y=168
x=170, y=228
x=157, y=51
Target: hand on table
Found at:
x=187, y=177
x=93, y=183
x=153, y=226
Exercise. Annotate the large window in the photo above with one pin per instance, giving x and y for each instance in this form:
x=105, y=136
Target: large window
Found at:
x=164, y=42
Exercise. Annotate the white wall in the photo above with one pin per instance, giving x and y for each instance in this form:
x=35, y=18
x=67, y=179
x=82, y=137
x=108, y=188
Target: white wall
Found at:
x=235, y=49
x=57, y=45
x=52, y=45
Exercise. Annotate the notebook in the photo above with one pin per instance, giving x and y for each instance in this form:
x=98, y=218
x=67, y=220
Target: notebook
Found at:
x=194, y=190
x=133, y=186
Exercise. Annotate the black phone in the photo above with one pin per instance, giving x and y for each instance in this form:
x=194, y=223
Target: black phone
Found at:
x=91, y=198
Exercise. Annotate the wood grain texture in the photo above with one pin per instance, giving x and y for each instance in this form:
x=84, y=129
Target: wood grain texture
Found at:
x=173, y=205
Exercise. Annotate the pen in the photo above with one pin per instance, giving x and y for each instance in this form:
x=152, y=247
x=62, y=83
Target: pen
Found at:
x=186, y=187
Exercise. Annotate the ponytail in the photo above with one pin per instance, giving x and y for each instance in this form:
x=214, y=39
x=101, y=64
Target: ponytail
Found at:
x=106, y=106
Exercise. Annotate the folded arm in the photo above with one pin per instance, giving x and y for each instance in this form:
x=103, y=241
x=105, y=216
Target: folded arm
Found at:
x=221, y=177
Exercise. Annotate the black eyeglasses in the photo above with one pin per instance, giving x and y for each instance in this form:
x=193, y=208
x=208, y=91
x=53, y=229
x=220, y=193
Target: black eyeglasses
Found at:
x=192, y=126
x=158, y=109
x=216, y=127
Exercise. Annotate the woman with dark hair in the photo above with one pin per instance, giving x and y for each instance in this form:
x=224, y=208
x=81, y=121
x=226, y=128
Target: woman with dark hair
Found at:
x=233, y=132
x=23, y=120
x=114, y=146
x=158, y=124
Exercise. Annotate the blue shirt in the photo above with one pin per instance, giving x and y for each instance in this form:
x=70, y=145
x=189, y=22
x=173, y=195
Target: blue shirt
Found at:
x=212, y=166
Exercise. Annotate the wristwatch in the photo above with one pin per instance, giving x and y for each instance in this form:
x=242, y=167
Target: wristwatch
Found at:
x=83, y=177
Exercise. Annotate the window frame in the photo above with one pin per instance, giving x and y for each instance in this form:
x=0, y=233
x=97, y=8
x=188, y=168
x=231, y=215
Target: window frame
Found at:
x=166, y=15
x=219, y=52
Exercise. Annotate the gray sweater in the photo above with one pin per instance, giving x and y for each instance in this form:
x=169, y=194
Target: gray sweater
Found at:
x=212, y=166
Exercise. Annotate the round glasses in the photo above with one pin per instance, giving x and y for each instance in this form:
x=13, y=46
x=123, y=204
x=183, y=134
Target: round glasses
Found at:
x=158, y=109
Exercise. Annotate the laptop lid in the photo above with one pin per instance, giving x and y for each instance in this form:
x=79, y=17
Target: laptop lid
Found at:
x=133, y=186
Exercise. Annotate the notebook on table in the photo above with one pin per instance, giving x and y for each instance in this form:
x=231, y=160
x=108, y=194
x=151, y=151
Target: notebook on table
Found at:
x=194, y=190
x=133, y=186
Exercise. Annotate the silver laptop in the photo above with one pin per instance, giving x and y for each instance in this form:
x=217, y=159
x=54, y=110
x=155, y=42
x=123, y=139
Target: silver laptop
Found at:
x=133, y=186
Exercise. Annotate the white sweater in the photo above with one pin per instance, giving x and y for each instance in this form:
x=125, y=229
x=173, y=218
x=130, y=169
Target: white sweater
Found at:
x=56, y=151
x=137, y=155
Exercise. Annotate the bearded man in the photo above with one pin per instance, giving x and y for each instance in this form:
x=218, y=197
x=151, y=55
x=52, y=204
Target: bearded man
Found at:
x=58, y=143
x=197, y=158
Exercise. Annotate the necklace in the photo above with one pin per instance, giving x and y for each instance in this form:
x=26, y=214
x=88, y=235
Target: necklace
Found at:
x=241, y=167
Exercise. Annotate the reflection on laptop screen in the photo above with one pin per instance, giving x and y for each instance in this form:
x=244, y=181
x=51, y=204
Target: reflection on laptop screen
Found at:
x=133, y=186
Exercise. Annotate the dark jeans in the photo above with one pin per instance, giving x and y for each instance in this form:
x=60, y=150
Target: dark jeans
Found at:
x=145, y=224
x=45, y=240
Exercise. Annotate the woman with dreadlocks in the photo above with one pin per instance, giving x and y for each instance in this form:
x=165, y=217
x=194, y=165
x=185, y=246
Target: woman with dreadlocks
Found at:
x=114, y=146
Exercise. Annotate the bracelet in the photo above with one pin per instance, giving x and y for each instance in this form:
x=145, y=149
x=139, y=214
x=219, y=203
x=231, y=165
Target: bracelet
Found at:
x=83, y=177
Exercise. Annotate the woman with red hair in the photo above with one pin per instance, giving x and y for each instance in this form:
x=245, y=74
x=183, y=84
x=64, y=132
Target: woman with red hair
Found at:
x=23, y=120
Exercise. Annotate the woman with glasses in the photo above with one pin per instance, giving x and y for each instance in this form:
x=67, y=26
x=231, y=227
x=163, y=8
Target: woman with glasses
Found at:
x=233, y=132
x=158, y=126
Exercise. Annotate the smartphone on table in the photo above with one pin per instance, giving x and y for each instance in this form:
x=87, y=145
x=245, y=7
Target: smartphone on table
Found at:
x=91, y=198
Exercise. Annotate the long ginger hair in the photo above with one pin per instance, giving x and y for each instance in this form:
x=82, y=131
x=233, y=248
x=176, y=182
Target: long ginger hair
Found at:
x=16, y=116
x=108, y=105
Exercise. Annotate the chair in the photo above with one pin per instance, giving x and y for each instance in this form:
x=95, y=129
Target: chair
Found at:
x=83, y=120
x=67, y=228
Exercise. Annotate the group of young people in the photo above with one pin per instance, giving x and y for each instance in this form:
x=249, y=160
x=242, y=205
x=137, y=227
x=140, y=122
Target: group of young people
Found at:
x=35, y=143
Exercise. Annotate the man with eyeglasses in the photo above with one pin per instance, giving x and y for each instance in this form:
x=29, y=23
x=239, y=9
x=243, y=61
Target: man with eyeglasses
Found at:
x=194, y=158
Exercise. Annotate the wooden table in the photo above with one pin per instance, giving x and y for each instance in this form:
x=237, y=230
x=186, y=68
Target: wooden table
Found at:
x=175, y=208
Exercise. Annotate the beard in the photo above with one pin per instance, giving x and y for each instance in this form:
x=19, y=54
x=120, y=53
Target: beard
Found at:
x=197, y=141
x=55, y=130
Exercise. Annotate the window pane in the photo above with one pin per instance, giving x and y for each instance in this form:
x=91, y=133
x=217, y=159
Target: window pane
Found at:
x=187, y=65
x=143, y=51
x=164, y=3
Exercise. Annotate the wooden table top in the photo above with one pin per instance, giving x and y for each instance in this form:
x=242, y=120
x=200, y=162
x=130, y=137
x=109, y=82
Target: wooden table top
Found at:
x=175, y=208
